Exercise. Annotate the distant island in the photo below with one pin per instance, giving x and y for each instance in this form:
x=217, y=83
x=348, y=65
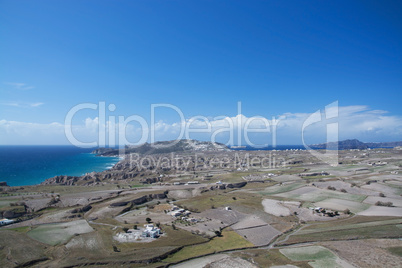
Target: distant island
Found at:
x=355, y=144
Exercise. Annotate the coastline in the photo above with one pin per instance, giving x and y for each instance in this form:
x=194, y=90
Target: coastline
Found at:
x=32, y=165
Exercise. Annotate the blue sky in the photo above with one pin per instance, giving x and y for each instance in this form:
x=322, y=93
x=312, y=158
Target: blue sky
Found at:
x=276, y=57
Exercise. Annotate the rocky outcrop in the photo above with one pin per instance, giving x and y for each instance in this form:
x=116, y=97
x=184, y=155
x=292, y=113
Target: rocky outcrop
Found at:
x=237, y=185
x=219, y=187
x=141, y=200
x=230, y=185
x=82, y=210
x=10, y=214
x=119, y=204
x=150, y=180
x=62, y=180
x=312, y=174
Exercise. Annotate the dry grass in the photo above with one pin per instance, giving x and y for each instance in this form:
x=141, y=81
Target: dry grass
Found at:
x=229, y=240
x=378, y=231
x=268, y=258
x=218, y=198
x=12, y=253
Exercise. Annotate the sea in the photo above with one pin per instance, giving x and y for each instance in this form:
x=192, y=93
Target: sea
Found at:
x=28, y=165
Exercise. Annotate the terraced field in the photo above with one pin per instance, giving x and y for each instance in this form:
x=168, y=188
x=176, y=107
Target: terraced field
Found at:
x=341, y=205
x=59, y=233
x=360, y=227
x=229, y=240
x=314, y=194
x=316, y=256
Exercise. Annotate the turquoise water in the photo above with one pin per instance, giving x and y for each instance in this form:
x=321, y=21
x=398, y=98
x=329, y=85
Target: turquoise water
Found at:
x=28, y=165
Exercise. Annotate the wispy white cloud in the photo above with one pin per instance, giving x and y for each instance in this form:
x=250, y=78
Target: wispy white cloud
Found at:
x=359, y=122
x=22, y=104
x=19, y=86
x=36, y=104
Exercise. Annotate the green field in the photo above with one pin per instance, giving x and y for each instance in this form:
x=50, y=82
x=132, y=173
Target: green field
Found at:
x=344, y=226
x=277, y=189
x=316, y=255
x=229, y=240
x=344, y=233
x=396, y=251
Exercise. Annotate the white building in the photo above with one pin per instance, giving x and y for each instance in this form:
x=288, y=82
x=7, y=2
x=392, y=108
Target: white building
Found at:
x=5, y=221
x=151, y=231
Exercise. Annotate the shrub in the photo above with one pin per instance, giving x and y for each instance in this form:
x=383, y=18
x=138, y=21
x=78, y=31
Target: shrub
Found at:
x=384, y=204
x=331, y=188
x=125, y=229
x=346, y=211
x=234, y=198
x=218, y=233
x=149, y=220
x=135, y=227
x=382, y=195
x=343, y=191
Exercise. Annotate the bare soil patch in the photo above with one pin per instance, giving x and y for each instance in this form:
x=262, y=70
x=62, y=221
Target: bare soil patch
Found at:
x=259, y=236
x=382, y=211
x=230, y=262
x=367, y=253
x=275, y=207
x=59, y=233
x=284, y=178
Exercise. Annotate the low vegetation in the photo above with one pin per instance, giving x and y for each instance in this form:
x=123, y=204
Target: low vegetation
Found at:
x=229, y=239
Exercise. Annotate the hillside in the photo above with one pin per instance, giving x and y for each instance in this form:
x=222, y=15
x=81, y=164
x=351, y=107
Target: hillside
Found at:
x=164, y=147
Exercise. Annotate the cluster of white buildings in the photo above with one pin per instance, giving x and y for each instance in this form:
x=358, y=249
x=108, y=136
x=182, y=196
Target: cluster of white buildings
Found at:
x=133, y=235
x=5, y=221
x=177, y=212
x=182, y=213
